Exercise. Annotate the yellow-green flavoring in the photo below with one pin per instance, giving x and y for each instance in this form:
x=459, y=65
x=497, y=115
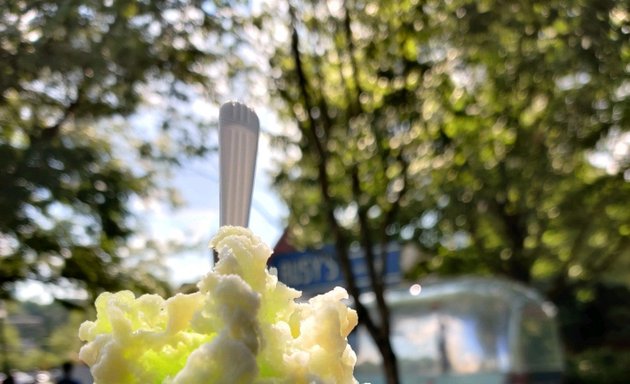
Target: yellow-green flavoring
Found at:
x=242, y=326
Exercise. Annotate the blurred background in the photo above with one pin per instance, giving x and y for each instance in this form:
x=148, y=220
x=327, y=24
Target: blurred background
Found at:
x=490, y=137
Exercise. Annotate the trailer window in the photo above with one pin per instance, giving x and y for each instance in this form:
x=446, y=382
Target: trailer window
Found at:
x=539, y=343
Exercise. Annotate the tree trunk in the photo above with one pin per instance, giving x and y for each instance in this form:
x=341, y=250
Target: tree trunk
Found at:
x=390, y=362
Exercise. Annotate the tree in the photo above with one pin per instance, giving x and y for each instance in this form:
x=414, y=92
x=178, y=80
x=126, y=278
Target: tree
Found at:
x=71, y=73
x=517, y=173
x=467, y=128
x=522, y=196
x=348, y=80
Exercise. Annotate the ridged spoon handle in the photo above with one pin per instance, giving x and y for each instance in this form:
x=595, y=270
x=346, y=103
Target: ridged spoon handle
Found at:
x=239, y=129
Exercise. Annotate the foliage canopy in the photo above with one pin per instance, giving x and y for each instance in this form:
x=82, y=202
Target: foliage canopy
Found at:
x=483, y=121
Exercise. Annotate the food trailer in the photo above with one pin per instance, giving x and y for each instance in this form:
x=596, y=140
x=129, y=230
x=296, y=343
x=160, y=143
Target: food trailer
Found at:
x=466, y=331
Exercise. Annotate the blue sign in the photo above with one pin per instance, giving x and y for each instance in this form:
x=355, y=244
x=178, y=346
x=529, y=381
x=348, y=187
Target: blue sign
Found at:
x=318, y=271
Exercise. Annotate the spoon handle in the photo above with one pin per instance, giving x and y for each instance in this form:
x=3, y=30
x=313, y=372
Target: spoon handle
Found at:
x=239, y=129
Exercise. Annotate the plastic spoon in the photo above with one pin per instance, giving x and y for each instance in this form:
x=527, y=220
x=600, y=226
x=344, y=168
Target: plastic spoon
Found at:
x=239, y=129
